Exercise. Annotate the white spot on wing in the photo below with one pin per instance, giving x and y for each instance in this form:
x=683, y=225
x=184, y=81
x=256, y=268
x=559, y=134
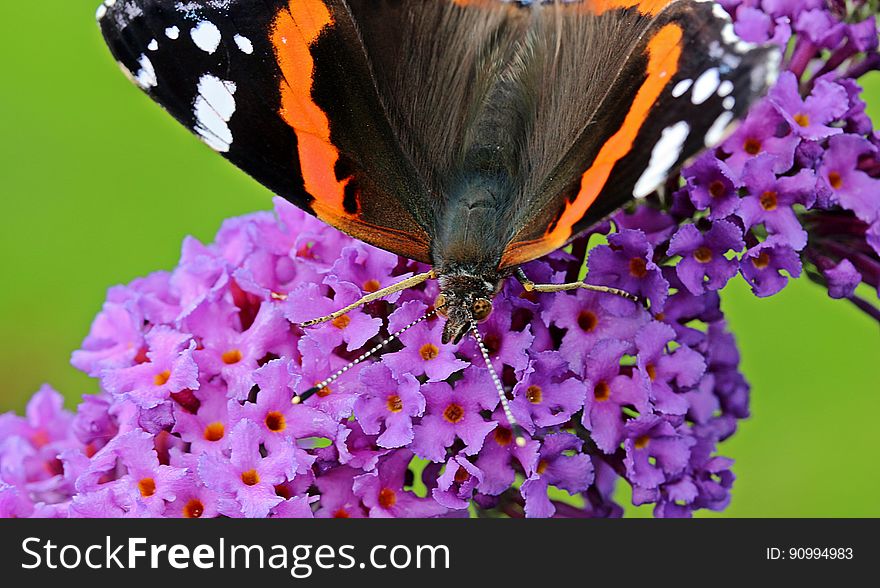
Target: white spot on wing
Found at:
x=101, y=12
x=682, y=87
x=146, y=75
x=154, y=45
x=664, y=155
x=716, y=132
x=706, y=85
x=172, y=33
x=206, y=36
x=244, y=44
x=729, y=103
x=725, y=89
x=213, y=110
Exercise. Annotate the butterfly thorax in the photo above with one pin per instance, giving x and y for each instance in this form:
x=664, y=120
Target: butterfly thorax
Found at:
x=467, y=251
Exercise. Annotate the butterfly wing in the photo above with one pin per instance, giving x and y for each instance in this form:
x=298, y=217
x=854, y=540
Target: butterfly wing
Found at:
x=284, y=90
x=677, y=78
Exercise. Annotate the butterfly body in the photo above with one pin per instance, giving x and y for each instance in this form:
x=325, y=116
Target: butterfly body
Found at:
x=473, y=135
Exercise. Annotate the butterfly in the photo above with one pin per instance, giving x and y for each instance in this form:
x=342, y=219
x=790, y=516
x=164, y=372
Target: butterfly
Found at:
x=471, y=135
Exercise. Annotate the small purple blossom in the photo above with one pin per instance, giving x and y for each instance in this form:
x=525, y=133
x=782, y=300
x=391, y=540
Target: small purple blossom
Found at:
x=704, y=264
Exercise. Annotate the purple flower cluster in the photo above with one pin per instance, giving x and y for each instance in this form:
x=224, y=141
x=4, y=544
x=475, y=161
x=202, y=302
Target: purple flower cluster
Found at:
x=801, y=175
x=197, y=367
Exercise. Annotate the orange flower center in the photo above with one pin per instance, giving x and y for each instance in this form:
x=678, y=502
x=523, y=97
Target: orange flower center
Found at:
x=341, y=322
x=429, y=351
x=602, y=391
x=275, y=421
x=534, y=394
x=394, y=403
x=652, y=371
x=802, y=119
x=503, y=436
x=453, y=413
x=641, y=441
x=769, y=201
x=461, y=475
x=250, y=478
x=638, y=267
x=231, y=357
x=762, y=261
x=703, y=254
x=341, y=514
x=371, y=285
x=542, y=466
x=193, y=509
x=717, y=189
x=835, y=180
x=214, y=431
x=387, y=498
x=752, y=146
x=147, y=487
x=162, y=377
x=587, y=320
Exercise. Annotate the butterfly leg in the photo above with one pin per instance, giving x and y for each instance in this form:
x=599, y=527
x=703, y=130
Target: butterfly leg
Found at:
x=530, y=286
x=386, y=291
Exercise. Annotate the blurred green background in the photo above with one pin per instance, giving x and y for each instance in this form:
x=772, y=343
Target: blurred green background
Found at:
x=100, y=186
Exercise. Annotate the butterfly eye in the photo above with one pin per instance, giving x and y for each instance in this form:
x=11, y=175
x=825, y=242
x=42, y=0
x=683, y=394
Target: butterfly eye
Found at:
x=482, y=309
x=440, y=305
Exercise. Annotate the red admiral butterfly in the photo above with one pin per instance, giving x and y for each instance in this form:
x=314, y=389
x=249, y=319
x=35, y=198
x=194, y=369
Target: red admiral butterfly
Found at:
x=473, y=135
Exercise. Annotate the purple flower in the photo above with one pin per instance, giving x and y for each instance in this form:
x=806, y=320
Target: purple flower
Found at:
x=587, y=322
x=354, y=329
x=852, y=188
x=382, y=492
x=765, y=130
x=547, y=393
x=423, y=353
x=456, y=485
x=231, y=353
x=337, y=497
x=279, y=421
x=454, y=413
x=704, y=265
x=627, y=264
x=654, y=451
x=810, y=117
x=169, y=367
x=711, y=184
x=770, y=200
x=557, y=467
x=389, y=405
x=665, y=374
x=246, y=477
x=608, y=391
x=843, y=279
x=762, y=265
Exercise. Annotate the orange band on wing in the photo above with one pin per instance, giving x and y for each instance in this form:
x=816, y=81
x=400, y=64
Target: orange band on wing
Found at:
x=649, y=7
x=664, y=52
x=294, y=31
x=646, y=7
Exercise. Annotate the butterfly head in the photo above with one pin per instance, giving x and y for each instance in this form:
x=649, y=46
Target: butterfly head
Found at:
x=464, y=299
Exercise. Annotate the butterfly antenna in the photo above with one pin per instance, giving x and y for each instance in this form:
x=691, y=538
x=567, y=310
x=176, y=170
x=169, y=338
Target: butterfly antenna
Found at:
x=297, y=399
x=514, y=426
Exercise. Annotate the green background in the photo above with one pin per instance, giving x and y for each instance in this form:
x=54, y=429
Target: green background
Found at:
x=100, y=186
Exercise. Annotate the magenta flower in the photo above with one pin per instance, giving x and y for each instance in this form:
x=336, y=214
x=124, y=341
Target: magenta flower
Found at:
x=454, y=413
x=423, y=353
x=388, y=405
x=382, y=493
x=704, y=265
x=247, y=479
